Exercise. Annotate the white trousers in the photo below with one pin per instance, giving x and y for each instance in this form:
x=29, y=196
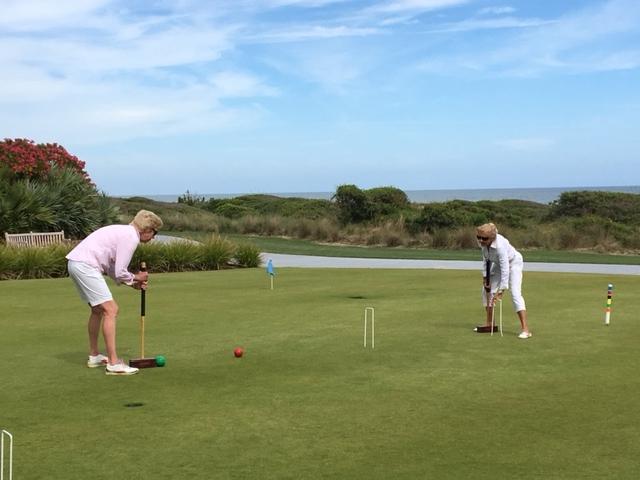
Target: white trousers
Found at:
x=515, y=283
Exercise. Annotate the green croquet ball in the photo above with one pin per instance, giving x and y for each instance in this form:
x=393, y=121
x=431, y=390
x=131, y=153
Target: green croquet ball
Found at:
x=160, y=361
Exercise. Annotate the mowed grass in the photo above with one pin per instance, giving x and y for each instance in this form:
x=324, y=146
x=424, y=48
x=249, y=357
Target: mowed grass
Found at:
x=307, y=401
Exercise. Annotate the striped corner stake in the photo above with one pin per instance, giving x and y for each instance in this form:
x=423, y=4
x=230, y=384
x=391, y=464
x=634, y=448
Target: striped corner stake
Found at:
x=607, y=309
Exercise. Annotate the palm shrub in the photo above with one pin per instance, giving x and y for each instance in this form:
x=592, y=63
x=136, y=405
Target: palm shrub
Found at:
x=23, y=206
x=77, y=206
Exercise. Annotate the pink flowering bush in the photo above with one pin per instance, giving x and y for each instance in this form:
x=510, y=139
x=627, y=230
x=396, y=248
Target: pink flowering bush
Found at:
x=28, y=160
x=43, y=188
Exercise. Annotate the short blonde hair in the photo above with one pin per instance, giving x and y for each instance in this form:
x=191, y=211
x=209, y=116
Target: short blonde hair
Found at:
x=487, y=230
x=146, y=220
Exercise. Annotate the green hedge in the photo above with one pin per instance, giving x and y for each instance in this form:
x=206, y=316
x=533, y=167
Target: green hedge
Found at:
x=213, y=254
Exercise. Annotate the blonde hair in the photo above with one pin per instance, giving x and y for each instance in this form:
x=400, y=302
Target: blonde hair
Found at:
x=487, y=230
x=146, y=220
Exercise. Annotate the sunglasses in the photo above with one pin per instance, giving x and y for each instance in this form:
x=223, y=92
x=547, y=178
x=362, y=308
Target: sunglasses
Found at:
x=484, y=239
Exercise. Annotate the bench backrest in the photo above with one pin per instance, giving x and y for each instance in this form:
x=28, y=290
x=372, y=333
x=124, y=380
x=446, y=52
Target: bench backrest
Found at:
x=32, y=239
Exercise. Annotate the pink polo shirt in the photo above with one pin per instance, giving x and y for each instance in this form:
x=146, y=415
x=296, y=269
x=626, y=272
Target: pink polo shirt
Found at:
x=109, y=249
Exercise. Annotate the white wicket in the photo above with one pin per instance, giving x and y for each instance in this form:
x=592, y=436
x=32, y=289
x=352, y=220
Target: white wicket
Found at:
x=370, y=312
x=4, y=434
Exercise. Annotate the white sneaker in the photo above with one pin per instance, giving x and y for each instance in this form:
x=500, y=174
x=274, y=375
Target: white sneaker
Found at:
x=120, y=368
x=524, y=335
x=98, y=360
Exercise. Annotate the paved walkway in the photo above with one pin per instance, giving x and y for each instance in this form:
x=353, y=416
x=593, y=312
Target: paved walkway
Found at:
x=308, y=261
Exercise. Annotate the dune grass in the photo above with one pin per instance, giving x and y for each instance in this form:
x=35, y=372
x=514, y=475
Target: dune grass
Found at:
x=308, y=247
x=433, y=400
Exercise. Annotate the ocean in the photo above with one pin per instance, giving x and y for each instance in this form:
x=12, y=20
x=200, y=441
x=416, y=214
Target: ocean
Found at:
x=539, y=195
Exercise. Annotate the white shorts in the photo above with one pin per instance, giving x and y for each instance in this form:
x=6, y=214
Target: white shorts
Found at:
x=90, y=283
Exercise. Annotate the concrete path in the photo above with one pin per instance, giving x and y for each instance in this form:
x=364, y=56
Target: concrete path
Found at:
x=308, y=261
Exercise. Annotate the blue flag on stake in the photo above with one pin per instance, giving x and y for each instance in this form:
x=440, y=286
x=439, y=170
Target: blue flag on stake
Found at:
x=270, y=269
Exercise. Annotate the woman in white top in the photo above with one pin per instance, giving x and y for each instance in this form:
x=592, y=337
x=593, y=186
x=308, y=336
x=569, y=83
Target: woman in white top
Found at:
x=501, y=269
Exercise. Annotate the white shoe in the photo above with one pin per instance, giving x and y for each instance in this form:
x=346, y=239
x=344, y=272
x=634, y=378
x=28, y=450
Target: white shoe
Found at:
x=524, y=335
x=120, y=368
x=98, y=360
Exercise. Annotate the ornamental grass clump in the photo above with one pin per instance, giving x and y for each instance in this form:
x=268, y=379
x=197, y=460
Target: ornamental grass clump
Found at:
x=217, y=252
x=248, y=256
x=182, y=256
x=35, y=262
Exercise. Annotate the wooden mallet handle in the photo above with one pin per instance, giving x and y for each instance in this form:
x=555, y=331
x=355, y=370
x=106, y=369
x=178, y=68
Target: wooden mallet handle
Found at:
x=143, y=268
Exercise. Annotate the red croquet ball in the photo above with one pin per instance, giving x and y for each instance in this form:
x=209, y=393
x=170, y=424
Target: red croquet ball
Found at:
x=238, y=352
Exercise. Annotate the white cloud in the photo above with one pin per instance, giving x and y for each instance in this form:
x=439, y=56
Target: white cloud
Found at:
x=526, y=144
x=18, y=15
x=496, y=10
x=310, y=32
x=397, y=6
x=332, y=69
x=109, y=76
x=492, y=23
x=585, y=41
x=298, y=3
x=235, y=84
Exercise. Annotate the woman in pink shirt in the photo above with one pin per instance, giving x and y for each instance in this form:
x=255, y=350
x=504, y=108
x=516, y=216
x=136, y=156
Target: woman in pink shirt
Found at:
x=108, y=251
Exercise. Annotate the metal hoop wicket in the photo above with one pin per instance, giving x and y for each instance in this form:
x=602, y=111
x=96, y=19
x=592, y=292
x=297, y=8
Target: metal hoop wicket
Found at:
x=370, y=312
x=4, y=434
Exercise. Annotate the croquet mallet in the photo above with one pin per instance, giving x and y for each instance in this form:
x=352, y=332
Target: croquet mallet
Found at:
x=142, y=362
x=486, y=285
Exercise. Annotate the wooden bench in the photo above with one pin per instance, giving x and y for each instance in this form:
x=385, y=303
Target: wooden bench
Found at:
x=32, y=239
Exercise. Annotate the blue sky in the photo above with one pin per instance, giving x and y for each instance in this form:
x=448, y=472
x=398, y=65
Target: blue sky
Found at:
x=234, y=96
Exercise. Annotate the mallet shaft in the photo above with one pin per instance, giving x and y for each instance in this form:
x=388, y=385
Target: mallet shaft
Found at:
x=143, y=268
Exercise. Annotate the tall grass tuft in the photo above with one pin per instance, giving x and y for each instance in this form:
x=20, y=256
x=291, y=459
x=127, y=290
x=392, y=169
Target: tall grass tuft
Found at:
x=153, y=254
x=217, y=252
x=36, y=262
x=213, y=254
x=388, y=234
x=465, y=238
x=248, y=256
x=182, y=256
x=6, y=263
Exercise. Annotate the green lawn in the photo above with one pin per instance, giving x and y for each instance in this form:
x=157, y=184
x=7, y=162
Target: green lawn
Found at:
x=432, y=401
x=308, y=247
